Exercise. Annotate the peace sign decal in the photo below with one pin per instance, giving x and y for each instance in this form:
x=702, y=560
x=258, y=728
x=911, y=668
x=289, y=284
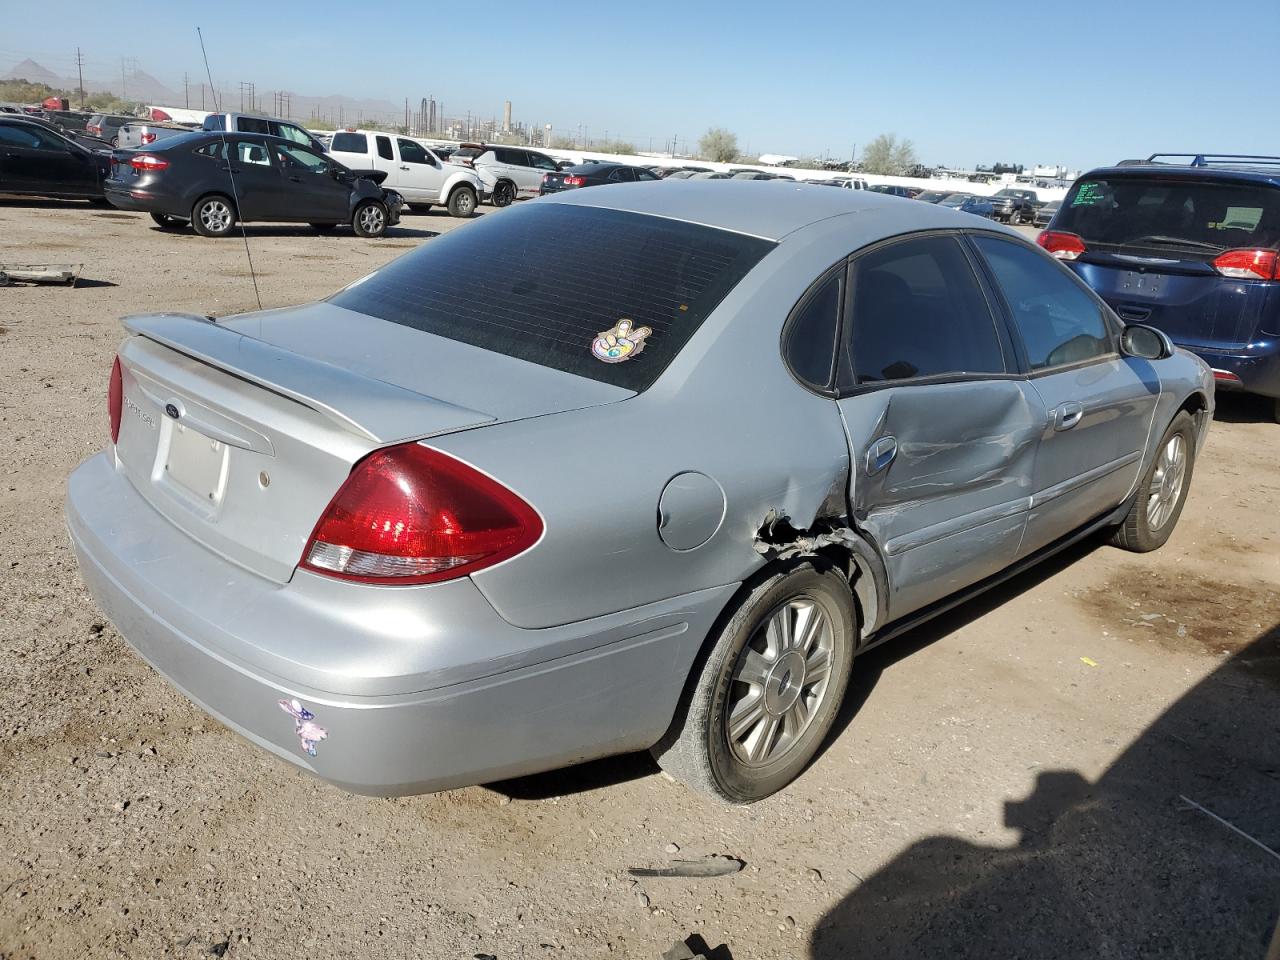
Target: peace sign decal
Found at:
x=620, y=343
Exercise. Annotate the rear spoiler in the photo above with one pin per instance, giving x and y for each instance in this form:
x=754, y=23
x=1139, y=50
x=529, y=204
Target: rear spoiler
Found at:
x=377, y=176
x=370, y=408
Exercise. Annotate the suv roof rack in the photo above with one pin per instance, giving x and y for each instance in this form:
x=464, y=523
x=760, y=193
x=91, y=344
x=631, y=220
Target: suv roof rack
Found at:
x=1216, y=159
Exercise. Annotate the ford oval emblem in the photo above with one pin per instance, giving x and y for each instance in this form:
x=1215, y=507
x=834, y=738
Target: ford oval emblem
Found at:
x=172, y=410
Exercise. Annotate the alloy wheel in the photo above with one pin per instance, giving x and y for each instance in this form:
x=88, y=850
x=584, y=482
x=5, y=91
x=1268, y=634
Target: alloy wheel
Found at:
x=1166, y=482
x=216, y=216
x=779, y=683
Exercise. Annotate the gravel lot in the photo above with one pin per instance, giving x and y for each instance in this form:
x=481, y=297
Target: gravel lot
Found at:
x=1005, y=782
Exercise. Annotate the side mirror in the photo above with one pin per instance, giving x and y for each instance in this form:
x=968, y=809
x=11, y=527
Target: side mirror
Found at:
x=1148, y=343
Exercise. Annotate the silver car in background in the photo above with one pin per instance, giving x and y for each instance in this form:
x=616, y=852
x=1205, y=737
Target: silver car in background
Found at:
x=701, y=446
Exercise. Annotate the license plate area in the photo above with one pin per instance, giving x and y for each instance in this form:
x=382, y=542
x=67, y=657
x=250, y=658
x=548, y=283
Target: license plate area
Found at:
x=1137, y=283
x=194, y=466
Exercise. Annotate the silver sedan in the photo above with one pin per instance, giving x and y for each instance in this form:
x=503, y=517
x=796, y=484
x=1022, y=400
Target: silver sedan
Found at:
x=636, y=468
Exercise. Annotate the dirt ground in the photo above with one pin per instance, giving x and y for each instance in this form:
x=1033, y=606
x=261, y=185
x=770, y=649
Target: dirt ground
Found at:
x=1005, y=782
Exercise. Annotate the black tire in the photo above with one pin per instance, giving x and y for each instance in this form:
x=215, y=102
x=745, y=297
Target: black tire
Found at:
x=213, y=216
x=369, y=219
x=322, y=226
x=462, y=202
x=698, y=748
x=423, y=208
x=504, y=193
x=1145, y=527
x=166, y=222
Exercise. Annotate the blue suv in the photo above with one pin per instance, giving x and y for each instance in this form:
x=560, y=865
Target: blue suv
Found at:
x=1189, y=244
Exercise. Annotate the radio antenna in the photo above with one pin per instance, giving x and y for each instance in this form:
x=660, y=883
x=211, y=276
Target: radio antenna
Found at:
x=226, y=154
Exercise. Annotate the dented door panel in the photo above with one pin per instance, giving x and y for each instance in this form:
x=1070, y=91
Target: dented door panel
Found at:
x=950, y=506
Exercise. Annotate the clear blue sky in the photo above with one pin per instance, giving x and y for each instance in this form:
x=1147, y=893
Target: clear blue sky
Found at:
x=1080, y=84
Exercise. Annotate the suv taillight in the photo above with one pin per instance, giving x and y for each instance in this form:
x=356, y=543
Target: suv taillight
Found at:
x=575, y=182
x=115, y=397
x=1248, y=264
x=1064, y=246
x=409, y=514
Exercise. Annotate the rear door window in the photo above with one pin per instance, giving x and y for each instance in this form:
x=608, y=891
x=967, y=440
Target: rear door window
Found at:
x=569, y=274
x=1184, y=217
x=622, y=175
x=541, y=162
x=1059, y=321
x=350, y=143
x=917, y=310
x=384, y=148
x=809, y=338
x=252, y=125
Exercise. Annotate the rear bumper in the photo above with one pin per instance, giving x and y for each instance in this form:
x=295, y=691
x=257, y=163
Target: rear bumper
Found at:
x=1255, y=371
x=143, y=201
x=416, y=689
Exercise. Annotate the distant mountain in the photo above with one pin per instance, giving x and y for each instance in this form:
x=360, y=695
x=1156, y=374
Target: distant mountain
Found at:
x=31, y=71
x=139, y=85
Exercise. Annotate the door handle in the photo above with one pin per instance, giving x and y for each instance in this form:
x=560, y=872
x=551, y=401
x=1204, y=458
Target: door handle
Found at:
x=295, y=179
x=403, y=167
x=1068, y=415
x=881, y=455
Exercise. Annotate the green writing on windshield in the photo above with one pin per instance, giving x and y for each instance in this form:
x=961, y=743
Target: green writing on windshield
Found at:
x=1088, y=195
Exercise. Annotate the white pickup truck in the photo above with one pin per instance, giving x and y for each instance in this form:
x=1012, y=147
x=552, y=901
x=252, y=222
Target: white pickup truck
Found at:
x=413, y=170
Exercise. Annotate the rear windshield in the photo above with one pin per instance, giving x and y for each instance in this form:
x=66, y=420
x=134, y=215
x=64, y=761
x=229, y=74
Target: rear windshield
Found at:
x=1190, y=216
x=349, y=143
x=543, y=282
x=468, y=153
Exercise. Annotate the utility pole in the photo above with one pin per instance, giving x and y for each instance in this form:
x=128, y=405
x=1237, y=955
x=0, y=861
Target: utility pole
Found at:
x=186, y=91
x=406, y=114
x=80, y=72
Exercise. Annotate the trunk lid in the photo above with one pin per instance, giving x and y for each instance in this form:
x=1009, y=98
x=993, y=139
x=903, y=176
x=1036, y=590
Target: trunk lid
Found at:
x=240, y=432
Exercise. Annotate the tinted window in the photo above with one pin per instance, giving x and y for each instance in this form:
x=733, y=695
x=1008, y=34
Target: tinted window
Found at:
x=384, y=148
x=515, y=158
x=29, y=136
x=1059, y=321
x=252, y=153
x=216, y=149
x=541, y=162
x=349, y=143
x=412, y=152
x=1166, y=214
x=568, y=273
x=215, y=121
x=810, y=345
x=917, y=311
x=622, y=175
x=645, y=175
x=252, y=125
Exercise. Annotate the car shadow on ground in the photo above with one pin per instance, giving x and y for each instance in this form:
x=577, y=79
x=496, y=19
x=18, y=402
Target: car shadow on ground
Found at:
x=867, y=670
x=1232, y=407
x=253, y=231
x=1128, y=866
x=43, y=203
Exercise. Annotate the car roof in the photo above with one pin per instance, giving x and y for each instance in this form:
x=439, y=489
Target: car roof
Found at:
x=761, y=208
x=1230, y=173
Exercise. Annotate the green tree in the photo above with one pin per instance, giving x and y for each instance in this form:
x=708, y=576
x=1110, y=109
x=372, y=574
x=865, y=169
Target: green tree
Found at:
x=718, y=144
x=887, y=155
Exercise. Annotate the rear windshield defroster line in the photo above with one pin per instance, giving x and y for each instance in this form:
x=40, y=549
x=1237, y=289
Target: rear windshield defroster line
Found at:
x=541, y=282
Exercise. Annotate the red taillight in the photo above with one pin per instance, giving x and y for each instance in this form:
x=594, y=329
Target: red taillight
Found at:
x=1225, y=376
x=115, y=397
x=148, y=161
x=410, y=514
x=148, y=138
x=1249, y=264
x=1064, y=246
x=575, y=181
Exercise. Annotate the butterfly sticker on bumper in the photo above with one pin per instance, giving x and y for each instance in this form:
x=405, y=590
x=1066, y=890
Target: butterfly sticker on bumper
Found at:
x=309, y=732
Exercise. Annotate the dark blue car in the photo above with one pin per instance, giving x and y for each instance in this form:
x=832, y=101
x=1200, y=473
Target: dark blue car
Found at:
x=1189, y=244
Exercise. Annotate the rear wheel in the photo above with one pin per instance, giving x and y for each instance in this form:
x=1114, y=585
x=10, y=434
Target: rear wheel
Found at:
x=462, y=202
x=369, y=219
x=1162, y=492
x=756, y=712
x=213, y=216
x=503, y=194
x=166, y=222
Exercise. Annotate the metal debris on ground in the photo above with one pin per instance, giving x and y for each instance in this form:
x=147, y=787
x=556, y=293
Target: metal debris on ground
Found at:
x=716, y=865
x=66, y=273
